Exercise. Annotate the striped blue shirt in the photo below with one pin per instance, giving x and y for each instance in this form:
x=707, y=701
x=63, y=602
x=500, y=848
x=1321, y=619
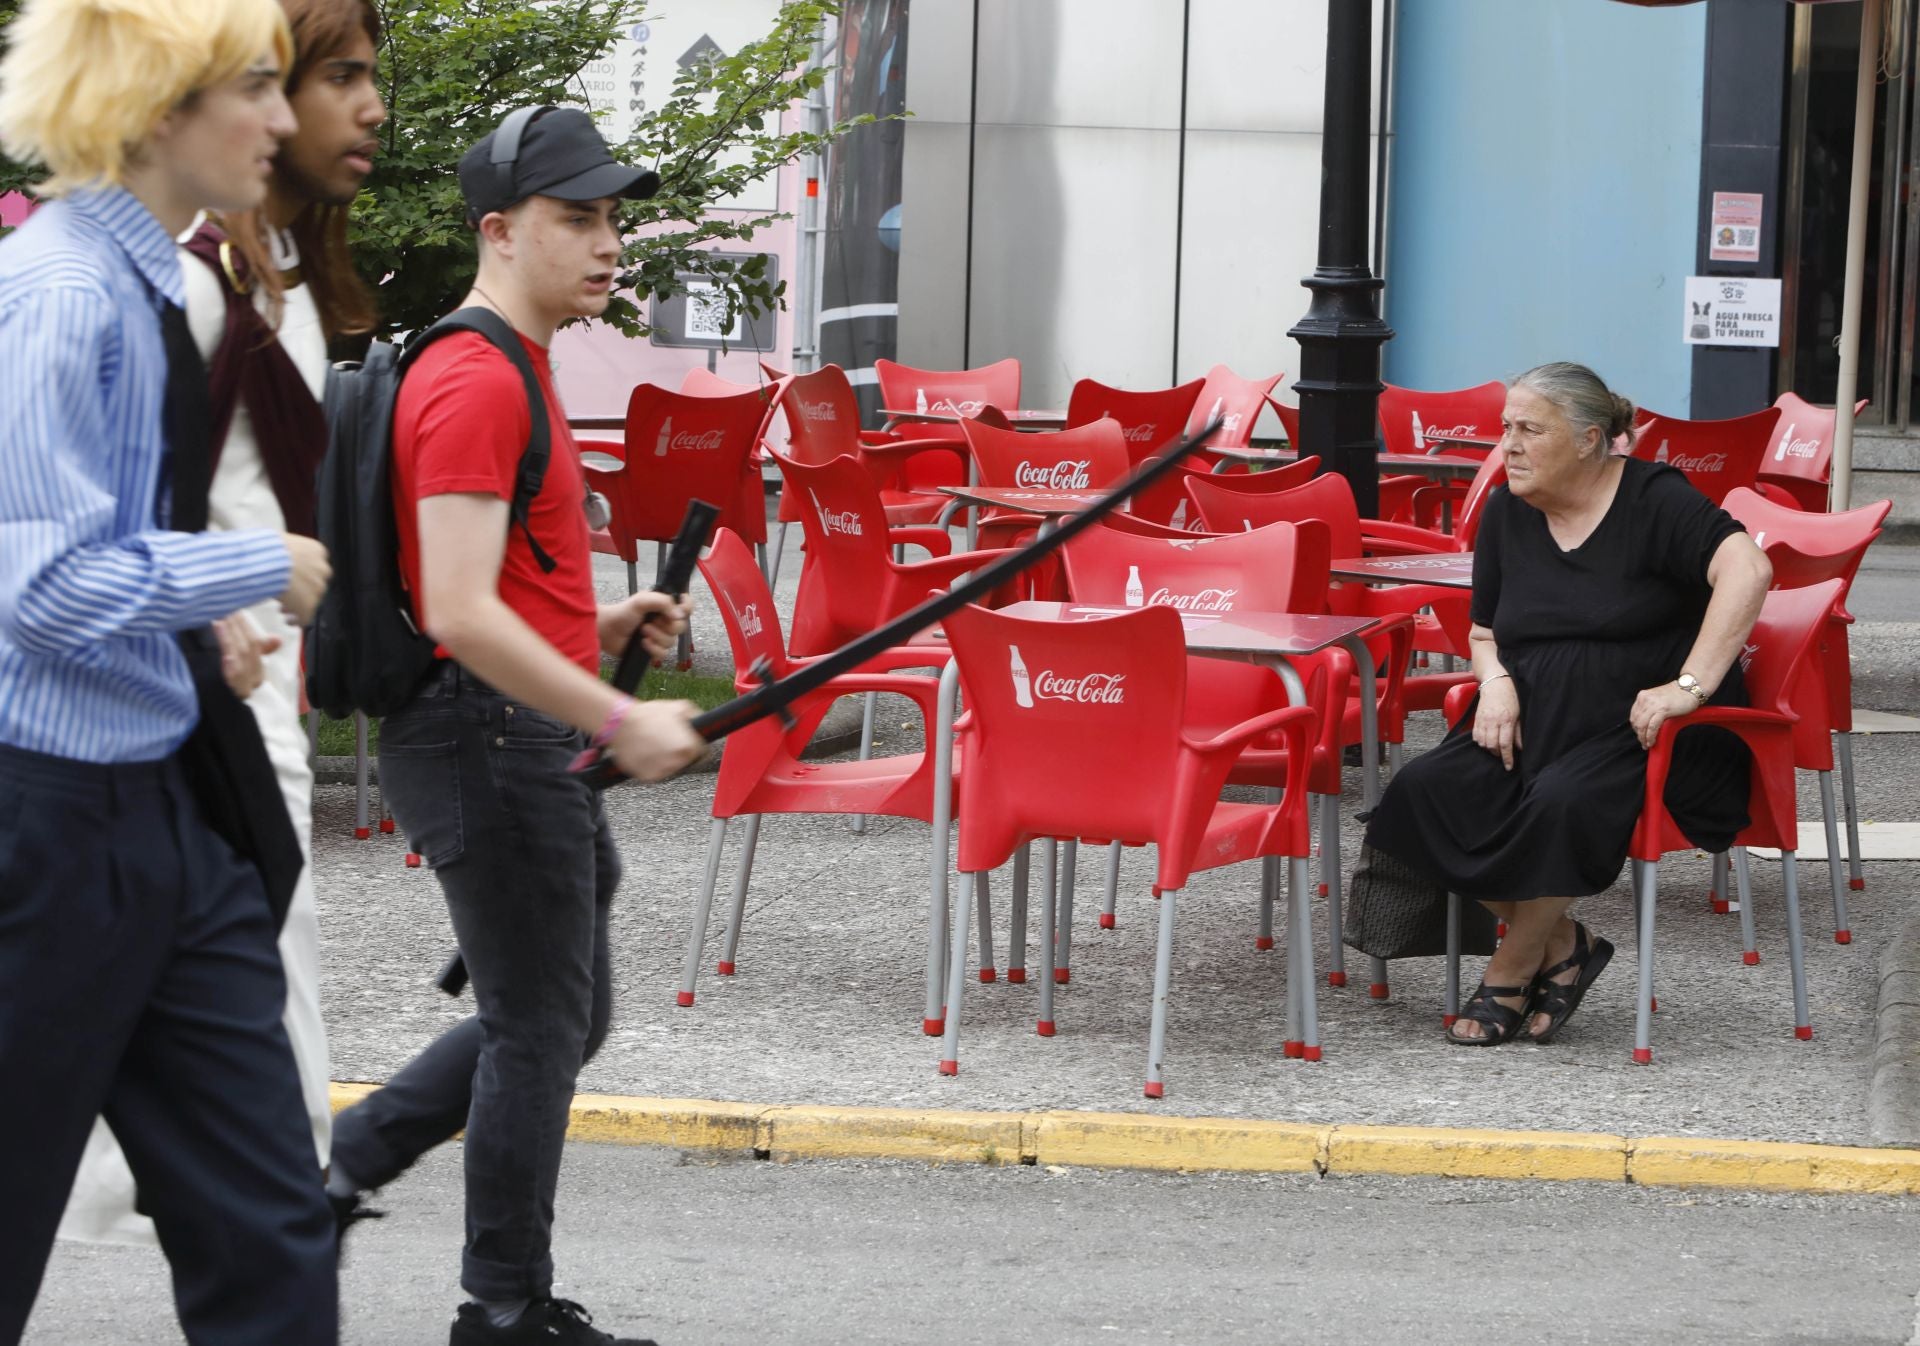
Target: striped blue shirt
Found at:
x=92, y=588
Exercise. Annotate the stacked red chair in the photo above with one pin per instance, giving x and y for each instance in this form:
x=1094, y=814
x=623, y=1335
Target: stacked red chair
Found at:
x=1799, y=457
x=1716, y=456
x=1149, y=421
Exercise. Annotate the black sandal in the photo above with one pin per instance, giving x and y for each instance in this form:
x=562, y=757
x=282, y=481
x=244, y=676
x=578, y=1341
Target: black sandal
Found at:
x=1502, y=1024
x=1558, y=1002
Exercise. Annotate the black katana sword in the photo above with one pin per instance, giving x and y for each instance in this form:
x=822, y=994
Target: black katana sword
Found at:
x=773, y=696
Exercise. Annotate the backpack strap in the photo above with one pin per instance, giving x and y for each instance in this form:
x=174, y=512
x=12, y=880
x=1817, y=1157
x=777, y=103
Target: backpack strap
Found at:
x=533, y=460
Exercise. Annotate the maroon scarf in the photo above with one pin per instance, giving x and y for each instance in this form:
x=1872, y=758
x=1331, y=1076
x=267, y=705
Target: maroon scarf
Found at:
x=250, y=366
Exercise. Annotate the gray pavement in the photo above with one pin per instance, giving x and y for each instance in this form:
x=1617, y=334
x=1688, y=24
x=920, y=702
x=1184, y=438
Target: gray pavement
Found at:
x=828, y=1001
x=698, y=1250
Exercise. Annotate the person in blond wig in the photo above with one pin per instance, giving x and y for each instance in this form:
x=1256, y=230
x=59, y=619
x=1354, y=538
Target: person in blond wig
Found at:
x=139, y=977
x=267, y=290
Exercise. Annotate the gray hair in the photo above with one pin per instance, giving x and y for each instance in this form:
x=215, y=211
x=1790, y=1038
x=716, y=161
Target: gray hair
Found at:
x=1583, y=399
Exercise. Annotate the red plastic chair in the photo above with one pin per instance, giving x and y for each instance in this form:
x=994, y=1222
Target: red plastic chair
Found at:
x=679, y=448
x=1799, y=456
x=1400, y=494
x=1282, y=478
x=962, y=392
x=761, y=771
x=1089, y=458
x=1807, y=548
x=1149, y=422
x=1779, y=651
x=823, y=422
x=1408, y=416
x=1278, y=568
x=1055, y=705
x=851, y=582
x=1236, y=401
x=1715, y=455
x=751, y=512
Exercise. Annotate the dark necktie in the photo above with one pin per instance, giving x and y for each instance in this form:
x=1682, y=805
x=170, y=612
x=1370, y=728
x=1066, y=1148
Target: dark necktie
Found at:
x=189, y=412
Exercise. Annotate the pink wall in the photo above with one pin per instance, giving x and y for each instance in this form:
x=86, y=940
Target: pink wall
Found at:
x=14, y=209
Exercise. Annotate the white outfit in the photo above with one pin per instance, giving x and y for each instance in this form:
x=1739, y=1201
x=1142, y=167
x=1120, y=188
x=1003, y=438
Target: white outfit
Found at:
x=100, y=1209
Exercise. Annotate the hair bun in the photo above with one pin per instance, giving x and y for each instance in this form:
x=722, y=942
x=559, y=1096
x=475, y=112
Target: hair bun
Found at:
x=1622, y=419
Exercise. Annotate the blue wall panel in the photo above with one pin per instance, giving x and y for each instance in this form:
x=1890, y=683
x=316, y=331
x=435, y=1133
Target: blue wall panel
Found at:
x=1546, y=177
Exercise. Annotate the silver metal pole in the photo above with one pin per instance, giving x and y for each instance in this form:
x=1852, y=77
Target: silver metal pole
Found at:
x=1844, y=394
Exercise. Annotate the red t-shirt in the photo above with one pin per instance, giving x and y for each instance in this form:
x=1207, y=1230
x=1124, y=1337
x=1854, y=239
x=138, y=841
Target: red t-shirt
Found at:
x=460, y=426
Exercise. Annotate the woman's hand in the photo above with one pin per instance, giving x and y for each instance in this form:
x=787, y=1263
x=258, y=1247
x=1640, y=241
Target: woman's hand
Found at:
x=242, y=653
x=618, y=621
x=1496, y=724
x=1655, y=707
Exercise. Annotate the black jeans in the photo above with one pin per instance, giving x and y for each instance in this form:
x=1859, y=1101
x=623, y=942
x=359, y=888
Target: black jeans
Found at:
x=529, y=867
x=139, y=979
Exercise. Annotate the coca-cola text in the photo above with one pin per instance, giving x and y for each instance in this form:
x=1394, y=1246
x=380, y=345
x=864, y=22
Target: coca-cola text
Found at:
x=1088, y=689
x=1064, y=476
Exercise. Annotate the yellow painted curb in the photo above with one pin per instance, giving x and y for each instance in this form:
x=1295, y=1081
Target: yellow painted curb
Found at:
x=1134, y=1140
x=1447, y=1152
x=892, y=1133
x=1153, y=1141
x=1679, y=1161
x=681, y=1123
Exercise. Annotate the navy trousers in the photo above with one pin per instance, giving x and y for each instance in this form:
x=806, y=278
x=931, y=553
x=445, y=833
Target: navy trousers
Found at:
x=139, y=980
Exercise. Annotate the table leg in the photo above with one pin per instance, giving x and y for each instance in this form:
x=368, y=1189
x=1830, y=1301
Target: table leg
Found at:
x=934, y=1022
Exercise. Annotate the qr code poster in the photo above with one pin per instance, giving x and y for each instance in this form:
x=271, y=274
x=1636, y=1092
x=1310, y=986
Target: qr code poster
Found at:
x=707, y=314
x=1734, y=235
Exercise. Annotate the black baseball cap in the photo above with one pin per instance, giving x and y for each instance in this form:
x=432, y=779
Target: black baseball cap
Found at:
x=546, y=151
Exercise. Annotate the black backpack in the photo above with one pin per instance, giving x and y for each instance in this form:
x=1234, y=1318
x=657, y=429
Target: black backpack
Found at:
x=364, y=651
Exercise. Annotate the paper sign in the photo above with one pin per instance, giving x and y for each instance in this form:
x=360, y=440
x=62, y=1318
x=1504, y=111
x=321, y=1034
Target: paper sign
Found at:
x=1734, y=235
x=1730, y=311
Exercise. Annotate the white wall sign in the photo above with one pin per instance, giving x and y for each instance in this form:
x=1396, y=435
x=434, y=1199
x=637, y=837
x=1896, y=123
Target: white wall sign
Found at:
x=1732, y=311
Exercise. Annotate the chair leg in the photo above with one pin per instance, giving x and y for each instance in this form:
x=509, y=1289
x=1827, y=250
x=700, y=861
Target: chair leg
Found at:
x=697, y=936
x=1331, y=879
x=1743, y=879
x=1377, y=986
x=1110, y=898
x=362, y=829
x=1017, y=916
x=1646, y=876
x=779, y=550
x=633, y=578
x=1162, y=979
x=1856, y=879
x=1450, y=1008
x=740, y=878
x=858, y=821
x=956, y=987
x=1842, y=933
x=760, y=549
x=983, y=898
x=1049, y=864
x=1717, y=891
x=1269, y=882
x=1300, y=948
x=1796, y=945
x=313, y=737
x=1069, y=864
x=1394, y=756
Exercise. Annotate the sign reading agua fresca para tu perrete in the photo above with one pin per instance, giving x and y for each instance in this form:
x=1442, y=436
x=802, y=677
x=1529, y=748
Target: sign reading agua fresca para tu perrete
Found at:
x=1732, y=311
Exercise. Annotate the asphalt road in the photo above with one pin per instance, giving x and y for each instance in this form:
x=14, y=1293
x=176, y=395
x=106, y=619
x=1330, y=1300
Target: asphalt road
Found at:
x=694, y=1250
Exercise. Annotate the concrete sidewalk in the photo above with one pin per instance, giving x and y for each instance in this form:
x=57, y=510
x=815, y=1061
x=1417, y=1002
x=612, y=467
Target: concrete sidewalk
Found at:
x=827, y=1004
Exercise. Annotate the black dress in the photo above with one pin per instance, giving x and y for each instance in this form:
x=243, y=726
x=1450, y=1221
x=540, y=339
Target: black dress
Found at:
x=1583, y=632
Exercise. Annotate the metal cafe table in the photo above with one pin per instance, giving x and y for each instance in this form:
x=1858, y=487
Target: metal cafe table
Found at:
x=1268, y=639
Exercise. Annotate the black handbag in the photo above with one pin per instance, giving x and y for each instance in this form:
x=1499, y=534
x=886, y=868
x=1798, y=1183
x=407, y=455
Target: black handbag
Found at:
x=1395, y=910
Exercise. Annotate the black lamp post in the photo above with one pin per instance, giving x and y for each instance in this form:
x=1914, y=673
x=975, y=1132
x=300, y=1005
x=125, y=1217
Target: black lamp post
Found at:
x=1341, y=335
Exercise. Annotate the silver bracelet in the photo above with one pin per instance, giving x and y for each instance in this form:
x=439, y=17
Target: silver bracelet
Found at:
x=1495, y=678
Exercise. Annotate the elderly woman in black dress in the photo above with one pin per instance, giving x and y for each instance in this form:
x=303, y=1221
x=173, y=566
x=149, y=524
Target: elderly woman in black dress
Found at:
x=1609, y=596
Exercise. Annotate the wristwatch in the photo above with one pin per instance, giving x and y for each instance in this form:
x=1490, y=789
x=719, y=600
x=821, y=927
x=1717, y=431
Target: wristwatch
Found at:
x=1691, y=686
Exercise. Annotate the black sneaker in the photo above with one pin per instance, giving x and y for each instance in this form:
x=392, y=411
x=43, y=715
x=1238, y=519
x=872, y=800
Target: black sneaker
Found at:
x=348, y=1212
x=547, y=1322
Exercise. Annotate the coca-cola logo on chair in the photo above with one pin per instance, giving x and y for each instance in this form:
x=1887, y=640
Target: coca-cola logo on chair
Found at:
x=1086, y=689
x=1699, y=462
x=1795, y=448
x=1062, y=476
x=1203, y=600
x=844, y=522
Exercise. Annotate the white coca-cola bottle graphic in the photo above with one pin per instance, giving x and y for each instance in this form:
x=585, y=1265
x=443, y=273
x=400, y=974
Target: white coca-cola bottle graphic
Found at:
x=1660, y=454
x=1213, y=414
x=1786, y=442
x=1179, y=517
x=920, y=400
x=1419, y=435
x=1136, y=591
x=665, y=438
x=1022, y=688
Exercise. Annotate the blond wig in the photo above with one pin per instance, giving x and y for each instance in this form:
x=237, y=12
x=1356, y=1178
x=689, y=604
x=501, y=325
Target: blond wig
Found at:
x=85, y=82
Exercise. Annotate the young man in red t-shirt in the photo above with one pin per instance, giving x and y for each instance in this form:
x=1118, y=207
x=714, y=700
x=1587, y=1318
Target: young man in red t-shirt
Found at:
x=475, y=767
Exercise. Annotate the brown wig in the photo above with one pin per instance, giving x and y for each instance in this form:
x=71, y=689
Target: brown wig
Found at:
x=320, y=29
